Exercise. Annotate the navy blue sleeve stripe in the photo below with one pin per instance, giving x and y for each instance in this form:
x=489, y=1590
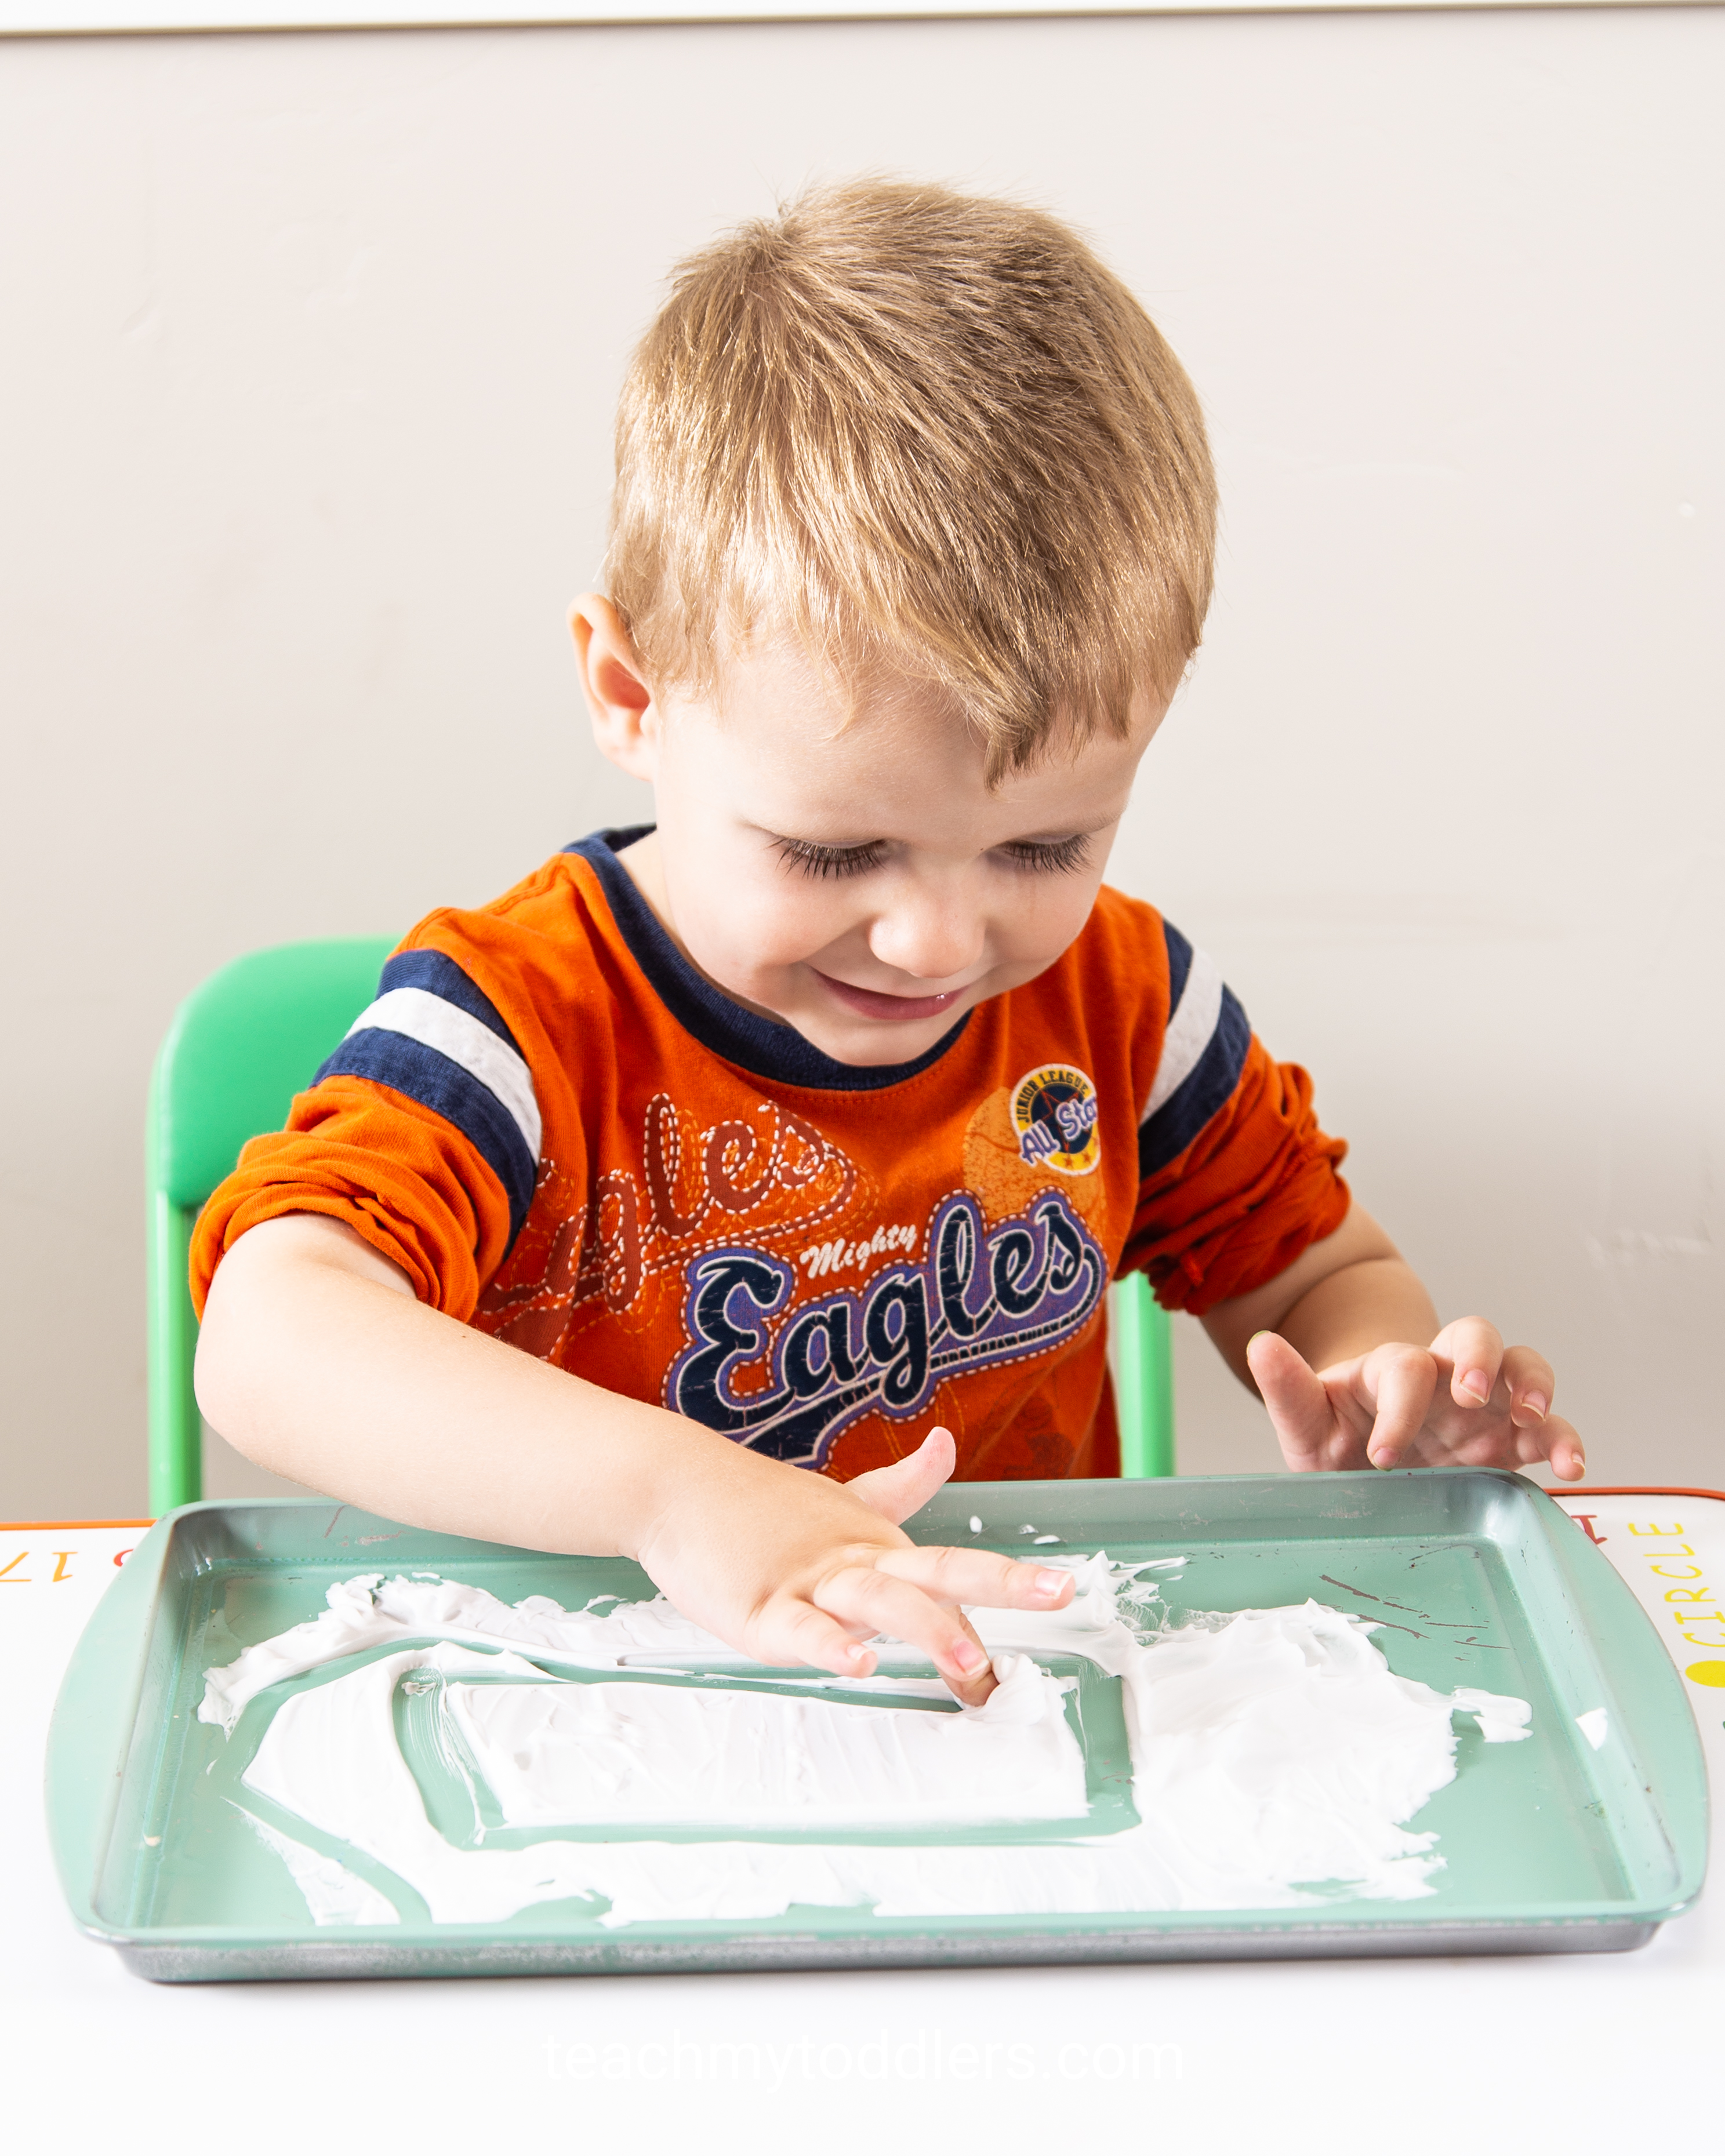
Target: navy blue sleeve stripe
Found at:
x=440, y=1084
x=1165, y=1135
x=440, y=975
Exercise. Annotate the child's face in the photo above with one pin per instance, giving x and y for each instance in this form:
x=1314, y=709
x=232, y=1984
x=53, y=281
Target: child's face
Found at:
x=860, y=880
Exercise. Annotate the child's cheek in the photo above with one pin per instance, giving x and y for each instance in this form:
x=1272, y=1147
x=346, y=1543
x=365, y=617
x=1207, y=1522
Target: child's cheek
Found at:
x=790, y=920
x=1046, y=920
x=745, y=941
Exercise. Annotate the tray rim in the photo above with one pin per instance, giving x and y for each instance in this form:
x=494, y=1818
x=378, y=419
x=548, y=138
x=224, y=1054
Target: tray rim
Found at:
x=322, y=1959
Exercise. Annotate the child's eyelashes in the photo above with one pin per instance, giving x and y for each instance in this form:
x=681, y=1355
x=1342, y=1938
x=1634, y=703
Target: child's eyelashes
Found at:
x=815, y=860
x=1046, y=856
x=1052, y=856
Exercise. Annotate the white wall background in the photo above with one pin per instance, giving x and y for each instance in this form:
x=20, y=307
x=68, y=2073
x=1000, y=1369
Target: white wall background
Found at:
x=308, y=346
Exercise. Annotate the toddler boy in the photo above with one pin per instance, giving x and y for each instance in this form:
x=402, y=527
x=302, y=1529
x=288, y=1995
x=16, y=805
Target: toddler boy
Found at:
x=817, y=1117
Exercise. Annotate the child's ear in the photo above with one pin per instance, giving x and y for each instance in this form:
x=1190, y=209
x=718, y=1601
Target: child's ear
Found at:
x=625, y=720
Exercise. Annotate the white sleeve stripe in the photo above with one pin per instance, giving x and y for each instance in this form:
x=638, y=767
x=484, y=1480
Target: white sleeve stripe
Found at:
x=1188, y=1032
x=418, y=1015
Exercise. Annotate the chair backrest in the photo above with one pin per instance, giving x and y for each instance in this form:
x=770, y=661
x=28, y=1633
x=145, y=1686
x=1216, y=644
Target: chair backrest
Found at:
x=238, y=1049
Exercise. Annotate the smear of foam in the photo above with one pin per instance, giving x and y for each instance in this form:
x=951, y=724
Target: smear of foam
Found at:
x=333, y=1894
x=370, y=1611
x=1501, y=1720
x=1274, y=1752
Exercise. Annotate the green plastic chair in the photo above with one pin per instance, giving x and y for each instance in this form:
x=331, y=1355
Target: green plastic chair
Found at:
x=239, y=1049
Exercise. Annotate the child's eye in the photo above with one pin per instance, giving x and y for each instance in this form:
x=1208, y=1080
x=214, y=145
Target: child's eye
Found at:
x=815, y=860
x=1055, y=856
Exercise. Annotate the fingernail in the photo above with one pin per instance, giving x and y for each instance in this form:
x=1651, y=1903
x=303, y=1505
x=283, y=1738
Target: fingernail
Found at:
x=1537, y=1405
x=970, y=1659
x=1383, y=1457
x=1479, y=1384
x=1051, y=1582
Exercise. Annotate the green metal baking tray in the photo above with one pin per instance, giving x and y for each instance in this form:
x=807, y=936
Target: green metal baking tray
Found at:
x=1476, y=1577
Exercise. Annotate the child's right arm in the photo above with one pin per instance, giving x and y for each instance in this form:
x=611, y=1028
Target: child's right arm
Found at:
x=317, y=1360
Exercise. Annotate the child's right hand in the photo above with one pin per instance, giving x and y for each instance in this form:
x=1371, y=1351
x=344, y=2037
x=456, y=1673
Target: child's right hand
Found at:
x=791, y=1567
x=316, y=1356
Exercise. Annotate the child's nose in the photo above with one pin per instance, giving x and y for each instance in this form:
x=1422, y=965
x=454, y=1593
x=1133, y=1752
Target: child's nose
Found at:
x=929, y=940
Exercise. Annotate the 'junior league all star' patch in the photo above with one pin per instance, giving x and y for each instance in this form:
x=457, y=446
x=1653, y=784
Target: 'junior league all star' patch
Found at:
x=1054, y=1112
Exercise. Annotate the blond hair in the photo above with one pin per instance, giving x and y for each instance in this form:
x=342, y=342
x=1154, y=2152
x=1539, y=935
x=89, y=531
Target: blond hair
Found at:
x=922, y=431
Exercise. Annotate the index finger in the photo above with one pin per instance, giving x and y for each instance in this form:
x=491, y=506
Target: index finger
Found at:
x=1402, y=1380
x=980, y=1576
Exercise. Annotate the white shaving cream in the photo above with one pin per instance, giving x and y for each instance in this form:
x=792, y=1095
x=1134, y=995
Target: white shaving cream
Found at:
x=586, y=1754
x=333, y=1894
x=1273, y=1751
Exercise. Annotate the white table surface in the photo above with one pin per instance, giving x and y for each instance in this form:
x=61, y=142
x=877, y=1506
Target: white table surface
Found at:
x=1527, y=2054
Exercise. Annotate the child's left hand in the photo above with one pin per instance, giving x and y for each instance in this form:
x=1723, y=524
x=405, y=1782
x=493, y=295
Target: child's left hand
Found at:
x=1467, y=1401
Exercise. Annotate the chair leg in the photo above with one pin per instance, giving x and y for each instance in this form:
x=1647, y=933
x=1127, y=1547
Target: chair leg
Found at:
x=176, y=1429
x=1144, y=1352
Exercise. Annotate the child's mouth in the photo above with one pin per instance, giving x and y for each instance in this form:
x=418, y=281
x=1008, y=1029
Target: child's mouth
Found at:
x=869, y=1002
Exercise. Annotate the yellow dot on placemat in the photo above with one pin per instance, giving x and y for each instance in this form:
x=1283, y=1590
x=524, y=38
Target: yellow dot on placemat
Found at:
x=1707, y=1673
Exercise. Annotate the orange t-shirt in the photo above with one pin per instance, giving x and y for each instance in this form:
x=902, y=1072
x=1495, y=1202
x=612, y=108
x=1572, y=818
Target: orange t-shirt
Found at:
x=565, y=1136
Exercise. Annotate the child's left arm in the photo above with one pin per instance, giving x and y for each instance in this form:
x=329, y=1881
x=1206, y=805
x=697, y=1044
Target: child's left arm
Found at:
x=1330, y=1344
